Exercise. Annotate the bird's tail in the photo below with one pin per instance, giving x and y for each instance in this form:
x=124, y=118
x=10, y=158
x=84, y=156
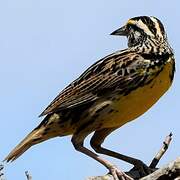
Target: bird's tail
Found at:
x=36, y=136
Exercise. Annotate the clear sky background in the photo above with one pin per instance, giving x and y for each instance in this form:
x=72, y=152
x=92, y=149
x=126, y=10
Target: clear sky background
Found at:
x=44, y=45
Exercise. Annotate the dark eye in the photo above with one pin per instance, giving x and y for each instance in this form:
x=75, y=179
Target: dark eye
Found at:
x=128, y=27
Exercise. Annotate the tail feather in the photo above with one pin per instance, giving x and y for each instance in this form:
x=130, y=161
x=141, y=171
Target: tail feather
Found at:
x=31, y=139
x=16, y=152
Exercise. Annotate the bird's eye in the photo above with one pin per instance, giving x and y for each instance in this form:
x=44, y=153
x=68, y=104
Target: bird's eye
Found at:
x=128, y=27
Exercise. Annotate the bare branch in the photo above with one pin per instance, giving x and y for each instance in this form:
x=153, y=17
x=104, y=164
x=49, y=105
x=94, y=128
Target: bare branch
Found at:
x=170, y=171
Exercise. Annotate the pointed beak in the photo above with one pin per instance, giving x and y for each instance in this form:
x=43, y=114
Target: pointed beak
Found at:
x=120, y=32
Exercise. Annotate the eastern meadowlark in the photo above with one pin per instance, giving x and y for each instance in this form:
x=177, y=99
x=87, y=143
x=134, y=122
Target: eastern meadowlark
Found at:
x=115, y=90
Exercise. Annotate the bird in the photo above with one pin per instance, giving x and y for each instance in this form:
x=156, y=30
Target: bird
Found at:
x=112, y=92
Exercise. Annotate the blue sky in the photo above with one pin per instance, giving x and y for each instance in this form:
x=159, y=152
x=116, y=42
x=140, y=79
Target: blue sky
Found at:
x=44, y=45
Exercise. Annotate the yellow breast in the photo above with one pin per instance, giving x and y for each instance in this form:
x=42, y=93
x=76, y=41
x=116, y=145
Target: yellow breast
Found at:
x=140, y=100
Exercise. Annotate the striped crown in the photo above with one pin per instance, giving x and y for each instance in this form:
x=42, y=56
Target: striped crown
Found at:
x=145, y=34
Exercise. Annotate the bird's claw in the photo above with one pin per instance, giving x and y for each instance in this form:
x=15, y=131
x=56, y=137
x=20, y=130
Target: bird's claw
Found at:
x=118, y=174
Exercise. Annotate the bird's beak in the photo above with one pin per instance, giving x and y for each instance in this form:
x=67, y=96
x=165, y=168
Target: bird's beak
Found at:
x=120, y=32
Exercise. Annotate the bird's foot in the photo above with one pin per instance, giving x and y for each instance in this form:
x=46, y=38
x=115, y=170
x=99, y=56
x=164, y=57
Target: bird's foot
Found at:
x=142, y=168
x=118, y=174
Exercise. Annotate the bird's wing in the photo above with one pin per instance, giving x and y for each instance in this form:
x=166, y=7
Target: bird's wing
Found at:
x=120, y=71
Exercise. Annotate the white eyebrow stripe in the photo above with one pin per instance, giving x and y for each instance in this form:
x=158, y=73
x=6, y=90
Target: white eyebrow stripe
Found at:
x=143, y=26
x=157, y=26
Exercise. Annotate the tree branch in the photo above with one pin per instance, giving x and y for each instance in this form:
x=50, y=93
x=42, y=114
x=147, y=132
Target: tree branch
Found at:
x=170, y=171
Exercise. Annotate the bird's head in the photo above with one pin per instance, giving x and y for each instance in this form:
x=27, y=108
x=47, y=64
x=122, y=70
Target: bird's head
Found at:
x=143, y=31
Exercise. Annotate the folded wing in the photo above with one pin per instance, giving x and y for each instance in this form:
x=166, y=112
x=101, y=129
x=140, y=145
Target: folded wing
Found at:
x=116, y=72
